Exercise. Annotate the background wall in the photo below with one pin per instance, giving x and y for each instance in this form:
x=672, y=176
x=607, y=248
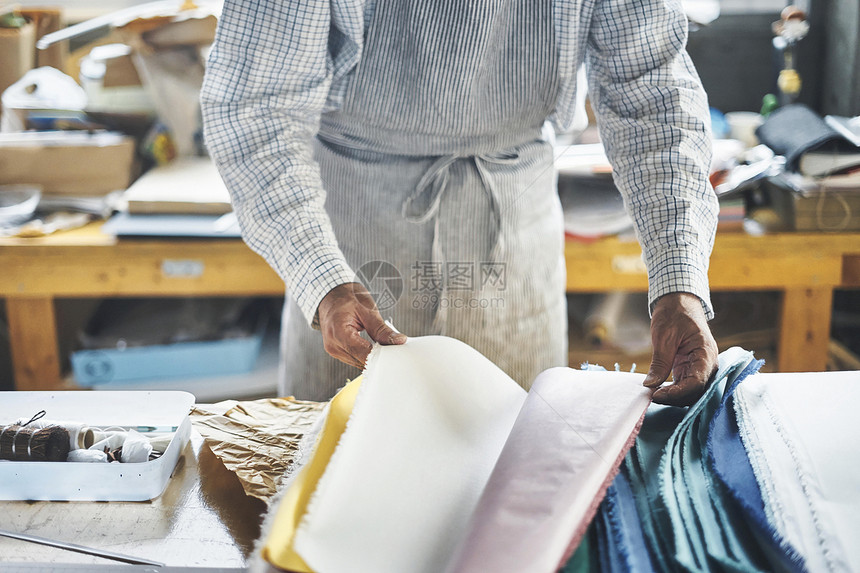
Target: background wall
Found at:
x=738, y=66
x=841, y=94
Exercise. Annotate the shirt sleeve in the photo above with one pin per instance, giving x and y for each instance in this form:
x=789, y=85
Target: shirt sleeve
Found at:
x=266, y=83
x=654, y=121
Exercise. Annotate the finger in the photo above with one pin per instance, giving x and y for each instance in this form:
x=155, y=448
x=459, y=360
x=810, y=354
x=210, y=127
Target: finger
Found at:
x=351, y=357
x=381, y=332
x=353, y=361
x=340, y=352
x=357, y=347
x=342, y=342
x=661, y=366
x=350, y=360
x=683, y=393
x=699, y=370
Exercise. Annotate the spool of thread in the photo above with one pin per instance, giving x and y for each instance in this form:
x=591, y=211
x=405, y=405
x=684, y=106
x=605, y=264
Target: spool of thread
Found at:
x=97, y=435
x=23, y=444
x=81, y=436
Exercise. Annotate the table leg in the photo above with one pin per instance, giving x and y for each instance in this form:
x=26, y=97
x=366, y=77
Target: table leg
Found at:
x=33, y=342
x=804, y=331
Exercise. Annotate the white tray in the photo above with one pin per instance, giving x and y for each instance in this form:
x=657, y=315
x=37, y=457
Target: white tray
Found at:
x=70, y=481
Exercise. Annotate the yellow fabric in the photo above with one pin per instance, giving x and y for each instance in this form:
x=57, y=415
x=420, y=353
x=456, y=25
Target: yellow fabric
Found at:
x=278, y=549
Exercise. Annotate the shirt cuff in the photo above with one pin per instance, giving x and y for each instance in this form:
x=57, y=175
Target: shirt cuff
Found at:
x=315, y=281
x=676, y=270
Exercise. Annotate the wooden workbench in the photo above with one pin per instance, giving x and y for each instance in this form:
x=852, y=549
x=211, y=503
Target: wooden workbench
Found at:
x=805, y=268
x=203, y=519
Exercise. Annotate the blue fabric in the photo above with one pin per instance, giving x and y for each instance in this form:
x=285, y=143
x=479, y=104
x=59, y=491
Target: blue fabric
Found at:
x=688, y=519
x=603, y=542
x=686, y=498
x=737, y=550
x=630, y=553
x=695, y=530
x=728, y=460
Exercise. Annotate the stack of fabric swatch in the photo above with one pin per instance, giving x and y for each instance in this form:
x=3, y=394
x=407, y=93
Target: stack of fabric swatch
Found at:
x=761, y=474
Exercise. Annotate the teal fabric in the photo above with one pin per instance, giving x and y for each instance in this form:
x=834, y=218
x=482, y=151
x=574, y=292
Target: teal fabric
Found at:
x=580, y=561
x=641, y=466
x=682, y=477
x=704, y=535
x=687, y=518
x=733, y=471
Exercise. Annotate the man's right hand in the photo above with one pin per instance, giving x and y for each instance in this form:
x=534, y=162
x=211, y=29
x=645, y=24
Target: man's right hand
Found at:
x=344, y=312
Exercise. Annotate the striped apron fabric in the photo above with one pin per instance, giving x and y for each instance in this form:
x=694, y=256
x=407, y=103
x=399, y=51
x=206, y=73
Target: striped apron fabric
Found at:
x=441, y=188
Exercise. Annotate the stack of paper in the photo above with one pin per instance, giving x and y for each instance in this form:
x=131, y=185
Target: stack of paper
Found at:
x=188, y=186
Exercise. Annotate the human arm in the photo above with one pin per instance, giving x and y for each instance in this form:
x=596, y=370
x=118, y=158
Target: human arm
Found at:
x=266, y=84
x=653, y=118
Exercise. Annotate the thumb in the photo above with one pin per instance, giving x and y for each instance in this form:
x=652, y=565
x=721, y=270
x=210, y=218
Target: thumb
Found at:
x=661, y=367
x=379, y=331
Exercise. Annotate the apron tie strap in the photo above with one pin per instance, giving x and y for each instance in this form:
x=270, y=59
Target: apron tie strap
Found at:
x=423, y=205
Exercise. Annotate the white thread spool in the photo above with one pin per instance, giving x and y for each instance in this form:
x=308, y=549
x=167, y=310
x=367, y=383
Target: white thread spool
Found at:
x=80, y=435
x=101, y=434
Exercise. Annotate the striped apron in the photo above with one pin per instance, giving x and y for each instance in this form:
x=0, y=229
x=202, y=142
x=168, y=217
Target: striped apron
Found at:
x=441, y=187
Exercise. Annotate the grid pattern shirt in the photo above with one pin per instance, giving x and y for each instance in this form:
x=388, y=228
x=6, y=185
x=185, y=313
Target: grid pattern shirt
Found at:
x=278, y=65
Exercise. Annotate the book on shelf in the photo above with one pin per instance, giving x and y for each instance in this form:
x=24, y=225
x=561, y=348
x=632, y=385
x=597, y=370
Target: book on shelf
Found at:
x=811, y=145
x=844, y=182
x=824, y=162
x=732, y=213
x=848, y=127
x=186, y=186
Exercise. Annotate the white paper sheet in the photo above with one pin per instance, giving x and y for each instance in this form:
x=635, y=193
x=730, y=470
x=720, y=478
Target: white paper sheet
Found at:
x=442, y=406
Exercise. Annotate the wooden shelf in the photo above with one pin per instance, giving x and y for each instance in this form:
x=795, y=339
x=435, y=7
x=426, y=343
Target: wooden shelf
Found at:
x=805, y=268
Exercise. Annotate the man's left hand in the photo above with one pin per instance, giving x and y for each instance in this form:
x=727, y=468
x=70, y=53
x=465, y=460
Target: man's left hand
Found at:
x=684, y=347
